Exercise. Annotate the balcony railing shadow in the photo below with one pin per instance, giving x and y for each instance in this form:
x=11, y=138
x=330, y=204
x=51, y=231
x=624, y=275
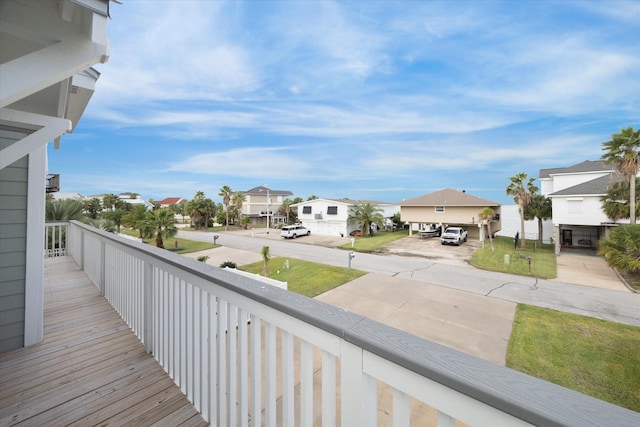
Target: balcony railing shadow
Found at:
x=237, y=347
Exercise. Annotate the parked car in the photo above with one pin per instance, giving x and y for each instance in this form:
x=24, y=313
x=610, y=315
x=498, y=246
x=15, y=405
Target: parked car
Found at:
x=453, y=236
x=355, y=233
x=293, y=231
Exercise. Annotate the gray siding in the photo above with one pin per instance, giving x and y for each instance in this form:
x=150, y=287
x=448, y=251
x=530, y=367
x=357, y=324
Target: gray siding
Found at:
x=13, y=234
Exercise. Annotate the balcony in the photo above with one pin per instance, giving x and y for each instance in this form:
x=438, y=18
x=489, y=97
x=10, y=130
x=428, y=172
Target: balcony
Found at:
x=245, y=353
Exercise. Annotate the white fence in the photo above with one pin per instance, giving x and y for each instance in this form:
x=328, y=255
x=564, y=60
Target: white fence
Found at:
x=55, y=239
x=300, y=362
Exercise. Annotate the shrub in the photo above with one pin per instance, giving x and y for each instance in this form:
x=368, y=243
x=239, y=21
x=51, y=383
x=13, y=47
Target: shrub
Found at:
x=229, y=264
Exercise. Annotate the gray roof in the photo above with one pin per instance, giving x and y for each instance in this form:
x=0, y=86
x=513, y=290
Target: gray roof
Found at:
x=595, y=187
x=448, y=197
x=586, y=166
x=263, y=190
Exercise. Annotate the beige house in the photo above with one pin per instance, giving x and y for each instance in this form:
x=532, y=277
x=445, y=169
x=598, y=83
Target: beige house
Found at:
x=262, y=204
x=448, y=207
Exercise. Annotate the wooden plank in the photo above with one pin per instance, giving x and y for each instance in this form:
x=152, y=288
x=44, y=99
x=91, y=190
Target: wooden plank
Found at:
x=90, y=369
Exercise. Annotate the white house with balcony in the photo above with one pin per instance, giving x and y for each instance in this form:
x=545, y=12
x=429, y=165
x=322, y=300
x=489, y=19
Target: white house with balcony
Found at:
x=47, y=49
x=330, y=216
x=578, y=218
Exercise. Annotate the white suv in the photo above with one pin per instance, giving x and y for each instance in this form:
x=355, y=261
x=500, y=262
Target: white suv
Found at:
x=293, y=231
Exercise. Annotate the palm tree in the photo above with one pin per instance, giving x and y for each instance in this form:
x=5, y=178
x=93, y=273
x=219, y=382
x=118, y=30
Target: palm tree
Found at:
x=163, y=222
x=63, y=210
x=92, y=207
x=200, y=209
x=538, y=207
x=238, y=199
x=285, y=209
x=226, y=193
x=365, y=214
x=522, y=189
x=138, y=219
x=312, y=197
x=622, y=249
x=486, y=216
x=616, y=202
x=265, y=259
x=623, y=151
x=109, y=201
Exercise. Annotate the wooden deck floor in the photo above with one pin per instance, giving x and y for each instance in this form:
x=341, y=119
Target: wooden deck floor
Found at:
x=90, y=369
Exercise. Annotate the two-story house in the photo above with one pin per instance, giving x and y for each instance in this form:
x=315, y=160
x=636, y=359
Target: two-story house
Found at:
x=262, y=203
x=578, y=218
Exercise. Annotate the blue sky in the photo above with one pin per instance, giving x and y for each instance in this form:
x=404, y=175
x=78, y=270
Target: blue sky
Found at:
x=381, y=100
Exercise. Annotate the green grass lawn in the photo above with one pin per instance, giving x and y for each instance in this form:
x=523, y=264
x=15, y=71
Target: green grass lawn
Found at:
x=305, y=277
x=592, y=356
x=376, y=242
x=543, y=260
x=185, y=246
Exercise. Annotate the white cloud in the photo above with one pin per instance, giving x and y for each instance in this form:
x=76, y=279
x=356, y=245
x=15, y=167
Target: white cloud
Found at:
x=246, y=162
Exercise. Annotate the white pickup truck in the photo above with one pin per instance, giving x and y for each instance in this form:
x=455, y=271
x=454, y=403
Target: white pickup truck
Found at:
x=453, y=236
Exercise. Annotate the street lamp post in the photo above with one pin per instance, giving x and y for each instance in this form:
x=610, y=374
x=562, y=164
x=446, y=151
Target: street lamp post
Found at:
x=268, y=203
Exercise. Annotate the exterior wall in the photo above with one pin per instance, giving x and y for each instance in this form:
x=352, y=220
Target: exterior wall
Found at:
x=13, y=247
x=319, y=222
x=578, y=210
x=510, y=219
x=451, y=214
x=254, y=204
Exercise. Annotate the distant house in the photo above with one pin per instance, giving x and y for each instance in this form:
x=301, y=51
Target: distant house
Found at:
x=165, y=203
x=65, y=196
x=578, y=218
x=330, y=216
x=262, y=203
x=448, y=207
x=129, y=198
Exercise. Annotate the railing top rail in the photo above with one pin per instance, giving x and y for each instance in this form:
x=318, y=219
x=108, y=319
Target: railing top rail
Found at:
x=52, y=223
x=522, y=396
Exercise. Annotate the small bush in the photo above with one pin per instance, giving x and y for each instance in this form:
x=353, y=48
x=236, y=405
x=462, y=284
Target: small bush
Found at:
x=203, y=258
x=229, y=264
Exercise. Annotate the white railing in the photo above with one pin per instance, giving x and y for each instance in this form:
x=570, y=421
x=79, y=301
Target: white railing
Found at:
x=55, y=239
x=302, y=362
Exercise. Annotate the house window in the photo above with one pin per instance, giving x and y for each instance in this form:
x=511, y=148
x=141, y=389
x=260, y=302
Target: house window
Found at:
x=332, y=210
x=306, y=209
x=440, y=209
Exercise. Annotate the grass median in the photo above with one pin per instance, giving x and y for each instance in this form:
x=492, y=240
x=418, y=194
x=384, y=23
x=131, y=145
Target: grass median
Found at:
x=507, y=259
x=305, y=277
x=592, y=356
x=376, y=242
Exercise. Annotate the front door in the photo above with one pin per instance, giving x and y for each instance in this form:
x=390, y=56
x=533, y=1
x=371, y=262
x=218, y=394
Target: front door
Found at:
x=567, y=238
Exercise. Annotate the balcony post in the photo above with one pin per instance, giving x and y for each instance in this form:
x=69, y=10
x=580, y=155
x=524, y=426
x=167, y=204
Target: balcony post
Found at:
x=148, y=307
x=82, y=233
x=358, y=390
x=102, y=267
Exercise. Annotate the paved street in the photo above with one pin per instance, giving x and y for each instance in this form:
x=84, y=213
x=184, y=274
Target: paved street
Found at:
x=619, y=306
